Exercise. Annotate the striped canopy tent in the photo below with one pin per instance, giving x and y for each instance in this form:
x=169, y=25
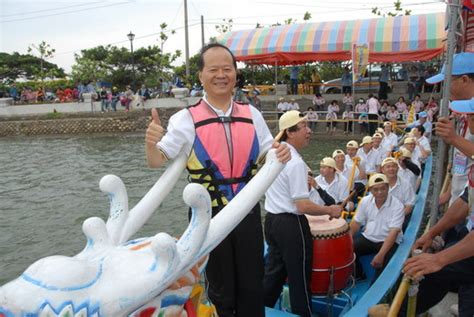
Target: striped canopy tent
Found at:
x=391, y=39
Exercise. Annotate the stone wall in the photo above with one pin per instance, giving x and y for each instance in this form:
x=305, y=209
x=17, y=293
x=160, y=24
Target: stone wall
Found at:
x=77, y=124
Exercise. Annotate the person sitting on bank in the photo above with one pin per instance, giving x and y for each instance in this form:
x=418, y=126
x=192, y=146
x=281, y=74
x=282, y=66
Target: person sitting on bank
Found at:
x=287, y=230
x=382, y=216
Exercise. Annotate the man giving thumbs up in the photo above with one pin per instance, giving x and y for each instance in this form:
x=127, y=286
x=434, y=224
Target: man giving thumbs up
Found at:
x=224, y=141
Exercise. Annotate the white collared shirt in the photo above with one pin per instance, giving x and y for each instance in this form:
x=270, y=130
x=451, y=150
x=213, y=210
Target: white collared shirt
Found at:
x=181, y=133
x=290, y=185
x=404, y=191
x=405, y=173
x=378, y=222
x=389, y=141
x=369, y=158
x=348, y=165
x=338, y=188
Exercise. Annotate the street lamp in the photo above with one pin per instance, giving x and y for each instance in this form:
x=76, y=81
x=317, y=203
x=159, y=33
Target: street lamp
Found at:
x=131, y=36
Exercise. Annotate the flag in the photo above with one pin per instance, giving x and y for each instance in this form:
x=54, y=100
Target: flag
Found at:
x=360, y=60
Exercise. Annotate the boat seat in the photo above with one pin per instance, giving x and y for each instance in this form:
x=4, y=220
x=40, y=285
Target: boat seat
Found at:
x=368, y=269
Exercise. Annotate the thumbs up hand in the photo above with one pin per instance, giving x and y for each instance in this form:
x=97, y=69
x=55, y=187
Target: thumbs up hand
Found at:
x=155, y=131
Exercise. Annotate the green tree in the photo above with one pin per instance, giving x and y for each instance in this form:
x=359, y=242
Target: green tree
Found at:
x=193, y=70
x=163, y=36
x=44, y=51
x=113, y=64
x=397, y=7
x=27, y=67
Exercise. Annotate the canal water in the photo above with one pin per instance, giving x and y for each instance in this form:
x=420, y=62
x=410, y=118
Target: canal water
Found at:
x=50, y=185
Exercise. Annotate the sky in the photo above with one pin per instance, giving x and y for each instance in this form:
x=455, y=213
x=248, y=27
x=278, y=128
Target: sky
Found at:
x=70, y=26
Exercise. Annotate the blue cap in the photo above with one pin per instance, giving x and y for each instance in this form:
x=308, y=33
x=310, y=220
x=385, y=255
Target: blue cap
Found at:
x=462, y=106
x=463, y=63
x=423, y=114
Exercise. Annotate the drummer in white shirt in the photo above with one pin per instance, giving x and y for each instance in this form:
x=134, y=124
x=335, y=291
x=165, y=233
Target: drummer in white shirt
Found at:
x=382, y=215
x=287, y=230
x=366, y=153
x=390, y=140
x=334, y=183
x=401, y=188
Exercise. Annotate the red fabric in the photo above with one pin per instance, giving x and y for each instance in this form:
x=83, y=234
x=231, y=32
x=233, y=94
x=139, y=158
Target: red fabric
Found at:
x=468, y=4
x=286, y=58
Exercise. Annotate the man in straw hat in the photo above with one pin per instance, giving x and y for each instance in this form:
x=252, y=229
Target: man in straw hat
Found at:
x=399, y=187
x=334, y=183
x=454, y=264
x=360, y=178
x=202, y=132
x=382, y=215
x=286, y=228
x=367, y=154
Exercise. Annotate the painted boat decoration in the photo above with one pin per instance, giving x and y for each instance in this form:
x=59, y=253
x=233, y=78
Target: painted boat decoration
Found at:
x=151, y=276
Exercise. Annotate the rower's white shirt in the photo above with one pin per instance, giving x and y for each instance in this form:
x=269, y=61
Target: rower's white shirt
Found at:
x=405, y=173
x=369, y=158
x=290, y=185
x=389, y=141
x=346, y=172
x=381, y=154
x=348, y=165
x=425, y=143
x=338, y=188
x=378, y=222
x=181, y=133
x=404, y=191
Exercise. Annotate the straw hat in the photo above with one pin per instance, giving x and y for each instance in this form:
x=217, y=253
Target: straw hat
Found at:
x=352, y=143
x=389, y=160
x=329, y=162
x=337, y=152
x=377, y=179
x=409, y=141
x=405, y=152
x=287, y=120
x=366, y=140
x=377, y=135
x=380, y=130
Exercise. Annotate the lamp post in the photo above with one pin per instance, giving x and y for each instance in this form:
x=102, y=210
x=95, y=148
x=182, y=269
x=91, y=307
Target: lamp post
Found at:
x=131, y=36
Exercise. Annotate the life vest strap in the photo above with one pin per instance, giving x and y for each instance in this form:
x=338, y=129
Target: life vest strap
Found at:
x=222, y=120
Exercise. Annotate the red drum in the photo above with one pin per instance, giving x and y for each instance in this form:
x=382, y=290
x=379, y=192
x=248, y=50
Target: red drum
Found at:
x=332, y=252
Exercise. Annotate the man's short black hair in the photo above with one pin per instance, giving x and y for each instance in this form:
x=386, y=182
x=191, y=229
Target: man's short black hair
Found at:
x=204, y=49
x=421, y=129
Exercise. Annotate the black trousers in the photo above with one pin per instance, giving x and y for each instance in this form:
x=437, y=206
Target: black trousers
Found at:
x=373, y=123
x=235, y=270
x=383, y=90
x=363, y=246
x=290, y=255
x=433, y=288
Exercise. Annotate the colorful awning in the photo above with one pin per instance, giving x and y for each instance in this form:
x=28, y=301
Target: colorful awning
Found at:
x=391, y=39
